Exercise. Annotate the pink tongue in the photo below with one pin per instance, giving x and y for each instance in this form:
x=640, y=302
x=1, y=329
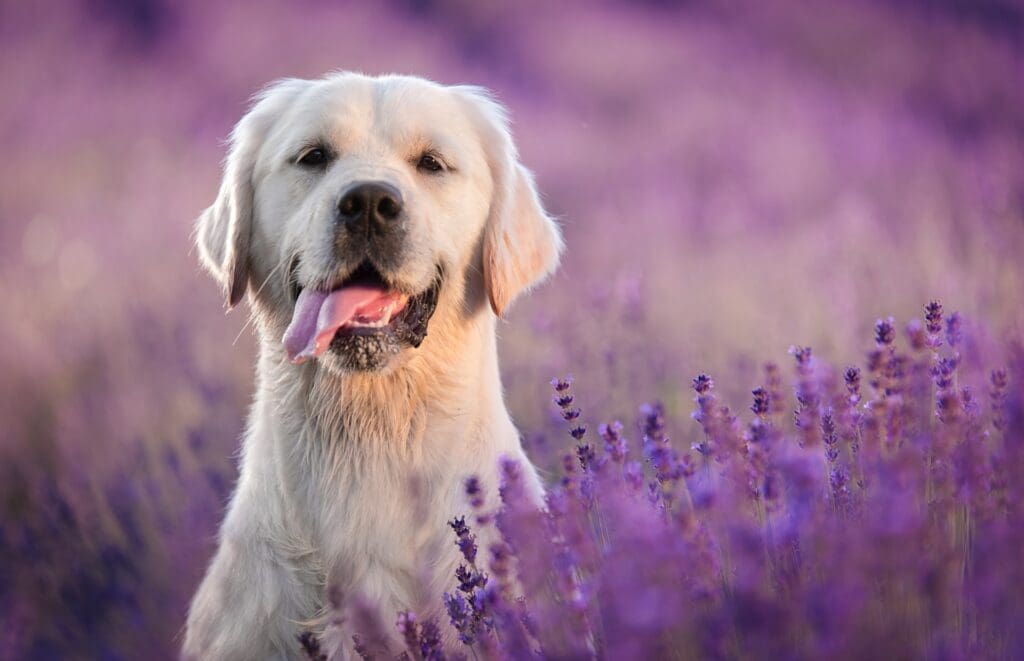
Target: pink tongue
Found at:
x=318, y=316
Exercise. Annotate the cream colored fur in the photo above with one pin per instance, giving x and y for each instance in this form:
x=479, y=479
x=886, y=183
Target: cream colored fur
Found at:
x=348, y=479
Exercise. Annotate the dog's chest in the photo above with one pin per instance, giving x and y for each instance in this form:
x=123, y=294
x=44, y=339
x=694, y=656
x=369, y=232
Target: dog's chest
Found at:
x=382, y=529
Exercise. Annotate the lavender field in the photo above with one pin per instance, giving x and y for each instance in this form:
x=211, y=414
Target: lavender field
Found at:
x=791, y=306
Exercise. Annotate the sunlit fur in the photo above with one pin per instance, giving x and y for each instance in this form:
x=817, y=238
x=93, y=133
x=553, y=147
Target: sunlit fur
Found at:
x=348, y=479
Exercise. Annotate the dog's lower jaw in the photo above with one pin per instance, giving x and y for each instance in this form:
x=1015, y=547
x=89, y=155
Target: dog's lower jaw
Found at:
x=320, y=505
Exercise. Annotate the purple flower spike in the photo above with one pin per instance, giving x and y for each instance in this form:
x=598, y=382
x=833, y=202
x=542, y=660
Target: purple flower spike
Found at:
x=954, y=329
x=999, y=380
x=614, y=444
x=803, y=358
x=885, y=332
x=431, y=647
x=761, y=405
x=474, y=491
x=409, y=629
x=465, y=540
x=311, y=647
x=852, y=378
x=933, y=317
x=461, y=617
x=916, y=335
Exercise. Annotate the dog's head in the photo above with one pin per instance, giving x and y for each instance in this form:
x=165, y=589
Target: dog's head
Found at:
x=356, y=209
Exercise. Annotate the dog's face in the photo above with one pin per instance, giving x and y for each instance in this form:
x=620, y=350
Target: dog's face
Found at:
x=355, y=209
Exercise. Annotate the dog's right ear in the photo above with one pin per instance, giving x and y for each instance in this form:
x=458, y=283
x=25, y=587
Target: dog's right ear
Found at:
x=223, y=231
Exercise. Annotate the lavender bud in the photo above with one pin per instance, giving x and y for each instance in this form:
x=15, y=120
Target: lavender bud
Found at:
x=585, y=454
x=633, y=474
x=431, y=647
x=1000, y=380
x=773, y=383
x=561, y=385
x=408, y=628
x=614, y=444
x=469, y=579
x=916, y=335
x=885, y=332
x=803, y=358
x=948, y=406
x=761, y=403
x=475, y=492
x=653, y=423
x=933, y=317
x=311, y=647
x=875, y=360
x=954, y=330
x=460, y=616
x=465, y=540
x=852, y=378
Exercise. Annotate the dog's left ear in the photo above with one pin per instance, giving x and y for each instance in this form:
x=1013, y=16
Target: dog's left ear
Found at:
x=521, y=243
x=224, y=230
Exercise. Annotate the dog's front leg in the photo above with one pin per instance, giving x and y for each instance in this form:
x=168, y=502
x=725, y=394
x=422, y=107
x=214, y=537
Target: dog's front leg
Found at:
x=251, y=599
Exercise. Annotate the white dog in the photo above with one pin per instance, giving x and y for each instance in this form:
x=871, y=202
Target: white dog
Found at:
x=379, y=226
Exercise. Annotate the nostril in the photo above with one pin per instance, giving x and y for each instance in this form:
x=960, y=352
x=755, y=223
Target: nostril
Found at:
x=351, y=205
x=388, y=207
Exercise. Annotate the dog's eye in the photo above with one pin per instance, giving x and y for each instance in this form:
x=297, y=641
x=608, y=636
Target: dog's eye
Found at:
x=429, y=163
x=313, y=158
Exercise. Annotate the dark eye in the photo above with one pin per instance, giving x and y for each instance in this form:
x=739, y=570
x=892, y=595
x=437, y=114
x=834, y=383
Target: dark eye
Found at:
x=429, y=163
x=313, y=158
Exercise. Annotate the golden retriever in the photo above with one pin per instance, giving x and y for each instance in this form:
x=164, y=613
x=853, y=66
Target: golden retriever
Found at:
x=379, y=226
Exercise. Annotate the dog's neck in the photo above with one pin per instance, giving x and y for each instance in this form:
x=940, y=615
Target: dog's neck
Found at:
x=448, y=380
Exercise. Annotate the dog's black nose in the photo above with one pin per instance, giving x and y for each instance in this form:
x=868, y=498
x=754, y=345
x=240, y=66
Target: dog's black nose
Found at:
x=370, y=206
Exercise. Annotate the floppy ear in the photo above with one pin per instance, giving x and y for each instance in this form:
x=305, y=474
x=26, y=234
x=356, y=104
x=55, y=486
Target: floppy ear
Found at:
x=521, y=243
x=224, y=230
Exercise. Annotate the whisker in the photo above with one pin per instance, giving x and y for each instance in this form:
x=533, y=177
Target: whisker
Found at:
x=248, y=321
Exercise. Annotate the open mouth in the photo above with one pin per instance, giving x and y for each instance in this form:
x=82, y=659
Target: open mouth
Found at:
x=363, y=305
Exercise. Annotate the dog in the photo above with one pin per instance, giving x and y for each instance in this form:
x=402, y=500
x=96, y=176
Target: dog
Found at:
x=379, y=228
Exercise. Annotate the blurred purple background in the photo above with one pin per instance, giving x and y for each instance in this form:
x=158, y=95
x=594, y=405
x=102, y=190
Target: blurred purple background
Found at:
x=732, y=177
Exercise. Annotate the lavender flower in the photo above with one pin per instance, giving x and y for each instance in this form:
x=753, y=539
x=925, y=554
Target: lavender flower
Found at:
x=761, y=405
x=615, y=446
x=773, y=384
x=885, y=332
x=311, y=647
x=461, y=617
x=469, y=579
x=806, y=415
x=408, y=628
x=999, y=380
x=561, y=385
x=465, y=540
x=431, y=647
x=474, y=492
x=830, y=436
x=916, y=335
x=933, y=318
x=564, y=399
x=954, y=329
x=852, y=378
x=652, y=422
